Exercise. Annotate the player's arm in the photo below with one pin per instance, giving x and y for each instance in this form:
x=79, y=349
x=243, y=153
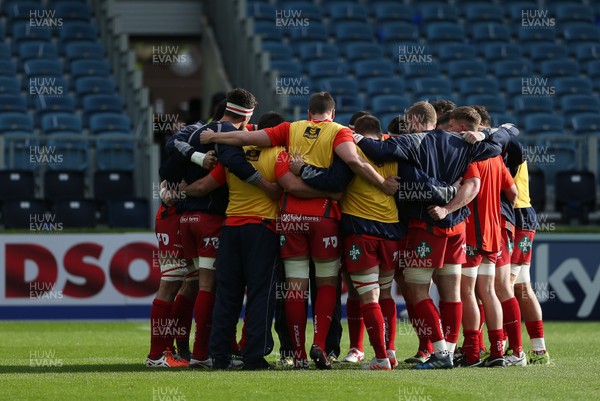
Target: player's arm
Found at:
x=178, y=147
x=467, y=192
x=440, y=192
x=168, y=196
x=295, y=185
x=390, y=150
x=206, y=184
x=334, y=178
x=236, y=138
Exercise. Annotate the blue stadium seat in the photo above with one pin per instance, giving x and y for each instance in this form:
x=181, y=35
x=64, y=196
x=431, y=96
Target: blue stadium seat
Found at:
x=23, y=11
x=390, y=104
x=94, y=85
x=431, y=13
x=513, y=68
x=73, y=11
x=587, y=52
x=365, y=69
x=268, y=31
x=9, y=85
x=416, y=70
x=7, y=69
x=525, y=105
x=315, y=32
x=89, y=68
x=466, y=69
x=317, y=51
x=548, y=51
x=500, y=51
x=501, y=118
x=38, y=68
x=23, y=32
x=586, y=123
x=397, y=32
x=83, y=51
x=353, y=31
x=384, y=86
x=445, y=32
x=453, y=52
x=115, y=152
x=16, y=122
x=476, y=13
x=513, y=86
x=5, y=53
x=363, y=51
x=53, y=104
x=493, y=103
x=402, y=52
x=340, y=86
x=17, y=213
x=540, y=123
x=17, y=150
x=574, y=13
x=132, y=213
x=73, y=149
x=278, y=51
x=386, y=12
x=515, y=11
x=113, y=185
x=341, y=12
x=286, y=68
x=16, y=185
x=77, y=31
x=478, y=85
x=348, y=104
x=490, y=33
x=577, y=33
x=341, y=118
x=102, y=103
x=593, y=69
x=14, y=103
x=64, y=185
x=559, y=68
x=573, y=86
x=574, y=104
x=106, y=123
x=431, y=86
x=326, y=68
x=528, y=35
x=37, y=50
x=307, y=10
x=262, y=11
x=61, y=122
x=80, y=213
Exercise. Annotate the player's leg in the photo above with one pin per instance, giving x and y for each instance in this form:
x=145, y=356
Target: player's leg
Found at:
x=514, y=354
x=485, y=290
x=286, y=350
x=448, y=282
x=229, y=297
x=260, y=253
x=531, y=310
x=325, y=246
x=183, y=311
x=425, y=248
x=388, y=258
x=469, y=353
x=356, y=325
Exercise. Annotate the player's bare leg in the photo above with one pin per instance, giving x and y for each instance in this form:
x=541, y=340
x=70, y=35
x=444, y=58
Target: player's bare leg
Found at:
x=486, y=291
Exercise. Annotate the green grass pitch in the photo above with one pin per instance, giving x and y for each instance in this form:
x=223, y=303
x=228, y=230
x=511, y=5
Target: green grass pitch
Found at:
x=104, y=361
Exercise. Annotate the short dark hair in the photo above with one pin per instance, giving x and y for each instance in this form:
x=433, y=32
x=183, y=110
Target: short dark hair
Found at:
x=486, y=120
x=468, y=115
x=397, y=126
x=444, y=118
x=356, y=116
x=443, y=105
x=367, y=125
x=321, y=103
x=220, y=110
x=240, y=97
x=270, y=119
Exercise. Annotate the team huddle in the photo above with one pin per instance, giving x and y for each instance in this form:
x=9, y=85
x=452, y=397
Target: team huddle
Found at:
x=281, y=210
